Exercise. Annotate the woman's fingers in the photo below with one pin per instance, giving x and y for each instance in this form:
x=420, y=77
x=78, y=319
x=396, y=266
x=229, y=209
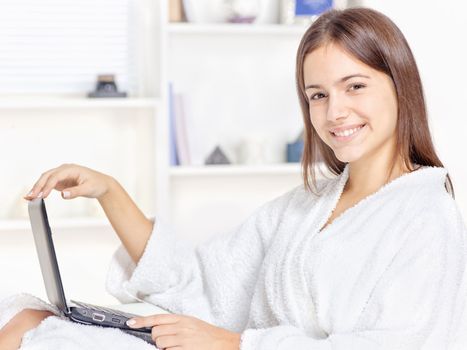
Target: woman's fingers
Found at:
x=167, y=341
x=36, y=191
x=76, y=191
x=165, y=336
x=52, y=180
x=154, y=320
x=166, y=329
x=49, y=180
x=64, y=174
x=73, y=181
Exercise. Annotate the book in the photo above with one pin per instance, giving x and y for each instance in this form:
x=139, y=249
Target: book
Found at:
x=180, y=129
x=173, y=158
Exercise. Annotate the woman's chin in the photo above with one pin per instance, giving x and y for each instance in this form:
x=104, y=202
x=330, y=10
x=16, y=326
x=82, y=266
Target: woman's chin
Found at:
x=346, y=157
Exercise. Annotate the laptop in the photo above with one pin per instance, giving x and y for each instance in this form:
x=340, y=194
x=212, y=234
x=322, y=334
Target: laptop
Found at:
x=79, y=312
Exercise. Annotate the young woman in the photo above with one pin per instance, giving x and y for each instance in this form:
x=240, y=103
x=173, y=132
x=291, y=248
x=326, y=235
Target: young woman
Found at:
x=374, y=258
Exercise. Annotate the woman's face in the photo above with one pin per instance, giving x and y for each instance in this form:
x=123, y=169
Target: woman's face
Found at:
x=353, y=107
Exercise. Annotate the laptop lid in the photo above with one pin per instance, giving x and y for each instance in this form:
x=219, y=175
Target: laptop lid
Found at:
x=46, y=253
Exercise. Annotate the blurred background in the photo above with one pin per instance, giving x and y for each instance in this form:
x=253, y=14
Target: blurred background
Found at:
x=190, y=104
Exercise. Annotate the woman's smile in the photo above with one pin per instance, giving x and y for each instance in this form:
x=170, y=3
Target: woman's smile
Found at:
x=347, y=135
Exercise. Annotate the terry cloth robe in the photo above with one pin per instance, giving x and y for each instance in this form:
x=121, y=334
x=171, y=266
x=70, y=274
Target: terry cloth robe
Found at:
x=388, y=273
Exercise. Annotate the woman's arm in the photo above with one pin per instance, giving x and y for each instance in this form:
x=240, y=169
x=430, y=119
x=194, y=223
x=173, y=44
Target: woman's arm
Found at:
x=130, y=224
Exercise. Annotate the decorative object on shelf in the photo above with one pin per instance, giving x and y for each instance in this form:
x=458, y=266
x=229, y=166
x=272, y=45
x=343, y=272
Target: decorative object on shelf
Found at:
x=176, y=13
x=306, y=11
x=243, y=11
x=207, y=11
x=259, y=148
x=295, y=149
x=217, y=157
x=233, y=11
x=106, y=87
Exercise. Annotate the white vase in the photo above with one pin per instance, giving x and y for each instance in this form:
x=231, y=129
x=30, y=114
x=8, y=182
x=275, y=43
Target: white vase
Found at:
x=207, y=11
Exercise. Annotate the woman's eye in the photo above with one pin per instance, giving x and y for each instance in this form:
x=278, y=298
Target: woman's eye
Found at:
x=356, y=86
x=317, y=96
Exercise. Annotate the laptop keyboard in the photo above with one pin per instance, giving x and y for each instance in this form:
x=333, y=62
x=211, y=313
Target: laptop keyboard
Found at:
x=103, y=309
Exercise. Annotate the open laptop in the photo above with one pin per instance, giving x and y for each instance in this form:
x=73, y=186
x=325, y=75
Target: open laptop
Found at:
x=80, y=312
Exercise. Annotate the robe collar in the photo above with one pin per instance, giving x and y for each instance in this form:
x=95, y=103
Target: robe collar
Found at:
x=425, y=176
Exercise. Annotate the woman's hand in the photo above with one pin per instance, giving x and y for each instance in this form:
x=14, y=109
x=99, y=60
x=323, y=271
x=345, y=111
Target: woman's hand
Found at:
x=73, y=181
x=186, y=333
x=130, y=224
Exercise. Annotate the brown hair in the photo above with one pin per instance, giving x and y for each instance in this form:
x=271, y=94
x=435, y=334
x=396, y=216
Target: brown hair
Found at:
x=375, y=40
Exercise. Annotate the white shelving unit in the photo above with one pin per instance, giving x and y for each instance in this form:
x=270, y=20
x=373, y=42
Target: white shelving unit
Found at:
x=237, y=80
x=141, y=119
x=231, y=77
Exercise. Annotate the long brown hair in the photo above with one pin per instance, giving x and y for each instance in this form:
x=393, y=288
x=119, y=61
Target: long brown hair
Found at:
x=375, y=40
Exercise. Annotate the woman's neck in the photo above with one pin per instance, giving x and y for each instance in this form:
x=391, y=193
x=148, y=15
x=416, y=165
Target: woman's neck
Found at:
x=368, y=177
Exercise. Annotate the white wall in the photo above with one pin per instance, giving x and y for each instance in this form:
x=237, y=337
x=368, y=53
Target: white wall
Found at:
x=437, y=35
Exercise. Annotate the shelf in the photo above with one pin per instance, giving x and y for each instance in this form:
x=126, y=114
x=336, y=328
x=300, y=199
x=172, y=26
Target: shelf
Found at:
x=228, y=28
x=21, y=225
x=245, y=170
x=235, y=170
x=27, y=102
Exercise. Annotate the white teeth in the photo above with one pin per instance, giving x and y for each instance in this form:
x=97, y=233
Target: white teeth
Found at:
x=347, y=132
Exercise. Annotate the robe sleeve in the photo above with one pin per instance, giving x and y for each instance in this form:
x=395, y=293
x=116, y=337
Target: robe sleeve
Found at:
x=213, y=282
x=418, y=303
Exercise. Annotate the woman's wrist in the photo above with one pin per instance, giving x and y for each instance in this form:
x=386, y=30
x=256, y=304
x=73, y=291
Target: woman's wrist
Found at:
x=110, y=188
x=235, y=341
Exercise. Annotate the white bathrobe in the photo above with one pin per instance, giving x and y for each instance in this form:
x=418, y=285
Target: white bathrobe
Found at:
x=388, y=273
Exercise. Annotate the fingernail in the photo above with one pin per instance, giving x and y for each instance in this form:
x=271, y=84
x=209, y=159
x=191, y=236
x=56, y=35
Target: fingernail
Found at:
x=131, y=322
x=40, y=195
x=66, y=194
x=30, y=194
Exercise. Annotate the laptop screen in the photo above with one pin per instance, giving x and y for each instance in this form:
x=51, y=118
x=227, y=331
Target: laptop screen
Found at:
x=46, y=253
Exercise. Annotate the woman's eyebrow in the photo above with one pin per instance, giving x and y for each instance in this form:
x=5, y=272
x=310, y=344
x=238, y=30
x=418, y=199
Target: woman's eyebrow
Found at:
x=341, y=80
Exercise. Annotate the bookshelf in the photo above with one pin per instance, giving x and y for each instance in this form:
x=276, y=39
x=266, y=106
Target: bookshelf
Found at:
x=240, y=70
x=232, y=77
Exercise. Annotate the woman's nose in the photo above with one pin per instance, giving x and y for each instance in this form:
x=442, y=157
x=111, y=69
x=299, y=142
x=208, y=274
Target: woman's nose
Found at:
x=337, y=109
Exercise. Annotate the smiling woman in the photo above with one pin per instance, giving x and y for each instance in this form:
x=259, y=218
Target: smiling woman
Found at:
x=362, y=99
x=374, y=258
